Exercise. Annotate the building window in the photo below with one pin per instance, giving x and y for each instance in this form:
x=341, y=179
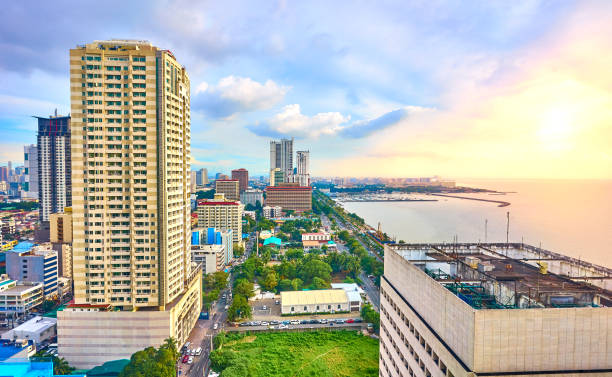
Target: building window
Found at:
x=305, y=308
x=292, y=309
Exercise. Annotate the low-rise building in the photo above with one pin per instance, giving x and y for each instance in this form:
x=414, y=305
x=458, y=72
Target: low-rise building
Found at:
x=38, y=329
x=316, y=301
x=15, y=351
x=271, y=212
x=251, y=214
x=19, y=298
x=221, y=214
x=353, y=292
x=315, y=240
x=211, y=257
x=38, y=263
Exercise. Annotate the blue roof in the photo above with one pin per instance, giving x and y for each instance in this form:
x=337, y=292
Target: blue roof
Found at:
x=27, y=369
x=6, y=282
x=274, y=240
x=23, y=246
x=331, y=242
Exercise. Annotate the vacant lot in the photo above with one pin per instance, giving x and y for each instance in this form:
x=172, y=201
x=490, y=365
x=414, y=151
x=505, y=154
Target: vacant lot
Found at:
x=317, y=353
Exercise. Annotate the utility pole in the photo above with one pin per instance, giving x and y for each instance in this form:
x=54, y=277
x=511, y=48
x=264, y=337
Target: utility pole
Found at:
x=507, y=231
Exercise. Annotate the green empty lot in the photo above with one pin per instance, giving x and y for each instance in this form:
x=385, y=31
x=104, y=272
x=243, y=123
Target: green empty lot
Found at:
x=316, y=353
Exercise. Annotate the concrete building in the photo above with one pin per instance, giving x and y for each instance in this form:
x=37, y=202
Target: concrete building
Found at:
x=281, y=156
x=60, y=225
x=54, y=167
x=353, y=292
x=130, y=106
x=39, y=329
x=212, y=236
x=314, y=240
x=492, y=310
x=192, y=182
x=202, y=177
x=277, y=177
x=38, y=264
x=252, y=196
x=16, y=352
x=271, y=212
x=19, y=298
x=242, y=175
x=317, y=301
x=228, y=187
x=221, y=214
x=211, y=257
x=30, y=158
x=301, y=175
x=289, y=197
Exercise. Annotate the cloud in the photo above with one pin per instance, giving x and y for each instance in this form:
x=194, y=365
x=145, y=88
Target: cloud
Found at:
x=291, y=122
x=235, y=94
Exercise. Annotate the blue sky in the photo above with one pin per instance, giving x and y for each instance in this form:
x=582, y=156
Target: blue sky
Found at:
x=385, y=88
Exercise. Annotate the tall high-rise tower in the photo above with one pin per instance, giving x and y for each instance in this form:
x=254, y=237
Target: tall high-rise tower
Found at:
x=302, y=175
x=242, y=175
x=54, y=177
x=281, y=156
x=131, y=215
x=30, y=161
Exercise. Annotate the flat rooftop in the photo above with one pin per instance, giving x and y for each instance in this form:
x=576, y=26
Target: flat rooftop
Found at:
x=497, y=276
x=19, y=289
x=322, y=296
x=36, y=324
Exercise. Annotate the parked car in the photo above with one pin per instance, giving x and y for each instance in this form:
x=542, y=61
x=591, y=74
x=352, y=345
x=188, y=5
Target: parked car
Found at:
x=274, y=322
x=215, y=326
x=358, y=320
x=185, y=358
x=316, y=321
x=323, y=320
x=245, y=324
x=265, y=323
x=282, y=326
x=255, y=323
x=304, y=322
x=198, y=351
x=190, y=360
x=286, y=322
x=339, y=320
x=264, y=308
x=277, y=302
x=350, y=320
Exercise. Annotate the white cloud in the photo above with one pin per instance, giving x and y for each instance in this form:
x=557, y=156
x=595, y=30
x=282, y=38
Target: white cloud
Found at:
x=235, y=94
x=291, y=121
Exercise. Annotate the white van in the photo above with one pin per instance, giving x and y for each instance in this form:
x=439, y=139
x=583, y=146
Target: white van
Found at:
x=199, y=351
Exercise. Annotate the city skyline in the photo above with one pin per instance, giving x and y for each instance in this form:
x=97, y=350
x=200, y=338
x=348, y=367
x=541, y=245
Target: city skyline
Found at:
x=434, y=92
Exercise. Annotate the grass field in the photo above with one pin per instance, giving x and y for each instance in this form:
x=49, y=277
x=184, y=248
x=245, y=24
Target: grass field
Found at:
x=316, y=353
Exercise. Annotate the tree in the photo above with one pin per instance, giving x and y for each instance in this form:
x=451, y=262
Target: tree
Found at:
x=285, y=285
x=315, y=268
x=296, y=284
x=294, y=254
x=244, y=288
x=344, y=235
x=240, y=308
x=209, y=194
x=60, y=365
x=238, y=250
x=154, y=362
x=270, y=281
x=370, y=316
x=318, y=283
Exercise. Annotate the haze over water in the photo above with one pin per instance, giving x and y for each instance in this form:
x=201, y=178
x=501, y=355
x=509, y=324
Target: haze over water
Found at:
x=572, y=217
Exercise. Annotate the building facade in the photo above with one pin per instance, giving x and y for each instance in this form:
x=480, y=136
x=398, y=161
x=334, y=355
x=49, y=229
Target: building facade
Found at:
x=277, y=177
x=211, y=257
x=222, y=214
x=30, y=160
x=228, y=187
x=36, y=265
x=19, y=298
x=252, y=196
x=54, y=165
x=493, y=310
x=130, y=106
x=315, y=301
x=289, y=197
x=242, y=175
x=202, y=177
x=270, y=212
x=281, y=156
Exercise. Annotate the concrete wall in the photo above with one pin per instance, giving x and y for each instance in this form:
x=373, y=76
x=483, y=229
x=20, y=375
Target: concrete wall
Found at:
x=451, y=318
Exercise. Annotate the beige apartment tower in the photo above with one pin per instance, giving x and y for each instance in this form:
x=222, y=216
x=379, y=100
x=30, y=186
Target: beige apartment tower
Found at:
x=130, y=107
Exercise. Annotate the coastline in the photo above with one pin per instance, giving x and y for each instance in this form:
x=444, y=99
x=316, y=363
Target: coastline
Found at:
x=499, y=202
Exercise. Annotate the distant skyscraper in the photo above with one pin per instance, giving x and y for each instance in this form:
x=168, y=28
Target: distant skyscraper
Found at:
x=54, y=165
x=131, y=213
x=193, y=181
x=302, y=175
x=202, y=177
x=242, y=175
x=229, y=187
x=10, y=168
x=30, y=158
x=218, y=175
x=281, y=156
x=3, y=173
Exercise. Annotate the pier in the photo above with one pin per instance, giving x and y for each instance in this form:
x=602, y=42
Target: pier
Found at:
x=500, y=203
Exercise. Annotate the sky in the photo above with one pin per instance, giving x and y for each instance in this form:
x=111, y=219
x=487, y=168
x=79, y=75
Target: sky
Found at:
x=478, y=89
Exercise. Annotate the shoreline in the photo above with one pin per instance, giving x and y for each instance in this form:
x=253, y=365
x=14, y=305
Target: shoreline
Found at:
x=499, y=202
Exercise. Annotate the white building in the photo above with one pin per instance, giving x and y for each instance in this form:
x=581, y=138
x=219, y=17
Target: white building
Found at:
x=30, y=156
x=19, y=298
x=316, y=301
x=353, y=292
x=270, y=212
x=38, y=329
x=211, y=257
x=252, y=196
x=315, y=240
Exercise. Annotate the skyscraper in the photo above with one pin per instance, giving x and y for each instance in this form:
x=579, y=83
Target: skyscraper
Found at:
x=202, y=177
x=30, y=158
x=302, y=176
x=242, y=175
x=54, y=168
x=281, y=156
x=131, y=214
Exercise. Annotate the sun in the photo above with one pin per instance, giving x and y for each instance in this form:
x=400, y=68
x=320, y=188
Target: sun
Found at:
x=556, y=128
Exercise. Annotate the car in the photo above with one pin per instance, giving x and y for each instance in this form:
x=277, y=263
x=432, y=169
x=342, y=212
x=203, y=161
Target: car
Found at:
x=304, y=322
x=185, y=358
x=274, y=322
x=198, y=352
x=323, y=321
x=286, y=322
x=316, y=321
x=277, y=302
x=226, y=307
x=245, y=324
x=295, y=322
x=256, y=323
x=187, y=345
x=190, y=360
x=339, y=320
x=331, y=323
x=358, y=320
x=215, y=326
x=282, y=326
x=350, y=320
x=264, y=323
x=313, y=321
x=264, y=308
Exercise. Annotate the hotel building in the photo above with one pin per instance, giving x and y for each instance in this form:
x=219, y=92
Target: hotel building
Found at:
x=134, y=282
x=289, y=197
x=222, y=214
x=493, y=310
